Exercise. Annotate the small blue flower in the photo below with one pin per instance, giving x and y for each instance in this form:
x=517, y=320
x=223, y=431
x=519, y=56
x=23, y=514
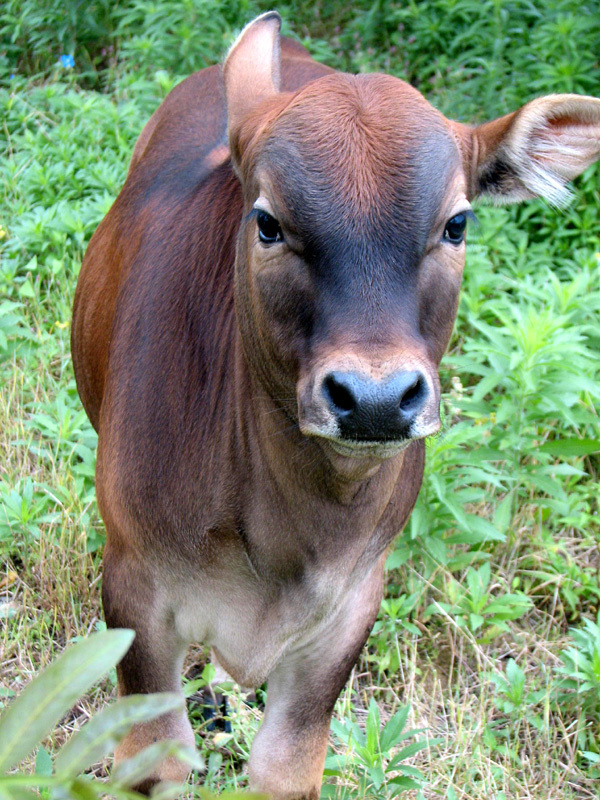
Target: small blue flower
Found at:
x=66, y=61
x=12, y=75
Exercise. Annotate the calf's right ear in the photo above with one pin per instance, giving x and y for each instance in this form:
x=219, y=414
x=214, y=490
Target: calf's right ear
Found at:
x=251, y=72
x=536, y=150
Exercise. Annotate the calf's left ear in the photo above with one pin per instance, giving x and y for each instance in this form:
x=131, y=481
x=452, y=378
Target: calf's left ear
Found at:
x=536, y=150
x=251, y=72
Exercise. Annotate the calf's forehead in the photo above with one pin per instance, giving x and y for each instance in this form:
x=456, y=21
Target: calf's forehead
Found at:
x=363, y=151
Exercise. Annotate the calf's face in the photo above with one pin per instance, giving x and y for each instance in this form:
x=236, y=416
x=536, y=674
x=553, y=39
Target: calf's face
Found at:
x=355, y=247
x=352, y=245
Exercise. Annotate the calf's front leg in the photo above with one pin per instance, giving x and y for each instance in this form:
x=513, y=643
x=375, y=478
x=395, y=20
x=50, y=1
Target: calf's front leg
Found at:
x=288, y=753
x=132, y=599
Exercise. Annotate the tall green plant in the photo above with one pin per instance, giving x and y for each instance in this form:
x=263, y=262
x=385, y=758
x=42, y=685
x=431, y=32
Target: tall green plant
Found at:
x=31, y=716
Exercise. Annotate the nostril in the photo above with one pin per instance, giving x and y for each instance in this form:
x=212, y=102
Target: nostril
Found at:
x=339, y=395
x=413, y=394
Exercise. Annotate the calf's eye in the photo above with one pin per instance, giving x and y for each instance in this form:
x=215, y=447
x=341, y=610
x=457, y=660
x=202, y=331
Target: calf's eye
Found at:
x=269, y=230
x=455, y=229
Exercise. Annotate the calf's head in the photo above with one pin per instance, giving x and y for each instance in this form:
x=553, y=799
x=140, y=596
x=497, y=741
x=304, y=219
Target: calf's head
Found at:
x=351, y=250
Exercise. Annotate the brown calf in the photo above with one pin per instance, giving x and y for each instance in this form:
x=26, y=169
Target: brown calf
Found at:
x=257, y=331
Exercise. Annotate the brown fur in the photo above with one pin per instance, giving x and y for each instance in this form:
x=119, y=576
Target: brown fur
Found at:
x=236, y=512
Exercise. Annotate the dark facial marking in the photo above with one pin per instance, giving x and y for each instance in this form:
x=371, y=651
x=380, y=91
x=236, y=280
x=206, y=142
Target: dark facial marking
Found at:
x=497, y=177
x=362, y=178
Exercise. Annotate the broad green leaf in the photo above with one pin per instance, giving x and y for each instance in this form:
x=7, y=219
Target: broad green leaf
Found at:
x=43, y=762
x=397, y=558
x=411, y=771
x=49, y=696
x=8, y=792
x=593, y=758
x=167, y=790
x=571, y=447
x=409, y=751
x=436, y=548
x=347, y=732
x=485, y=529
x=101, y=734
x=377, y=776
x=26, y=289
x=478, y=580
x=83, y=789
x=372, y=728
x=502, y=514
x=544, y=483
x=405, y=783
x=514, y=673
x=393, y=729
x=475, y=621
x=144, y=763
x=509, y=606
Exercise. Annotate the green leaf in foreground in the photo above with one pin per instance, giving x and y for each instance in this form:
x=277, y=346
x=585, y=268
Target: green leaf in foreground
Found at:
x=142, y=764
x=102, y=733
x=47, y=698
x=17, y=793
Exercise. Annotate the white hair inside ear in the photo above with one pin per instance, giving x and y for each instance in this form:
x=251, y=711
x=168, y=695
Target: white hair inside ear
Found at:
x=547, y=143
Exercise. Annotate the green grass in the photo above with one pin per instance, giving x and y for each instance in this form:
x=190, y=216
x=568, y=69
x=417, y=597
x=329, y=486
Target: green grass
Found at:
x=488, y=631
